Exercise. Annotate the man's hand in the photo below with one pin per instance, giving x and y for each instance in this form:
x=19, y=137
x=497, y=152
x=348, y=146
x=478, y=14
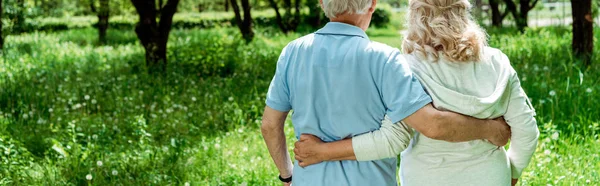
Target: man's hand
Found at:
x=308, y=150
x=499, y=132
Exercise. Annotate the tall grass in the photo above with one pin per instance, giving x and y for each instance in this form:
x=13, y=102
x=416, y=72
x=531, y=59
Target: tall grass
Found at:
x=73, y=112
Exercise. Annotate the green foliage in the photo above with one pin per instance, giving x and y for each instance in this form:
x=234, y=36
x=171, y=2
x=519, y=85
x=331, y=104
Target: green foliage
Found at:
x=381, y=16
x=71, y=109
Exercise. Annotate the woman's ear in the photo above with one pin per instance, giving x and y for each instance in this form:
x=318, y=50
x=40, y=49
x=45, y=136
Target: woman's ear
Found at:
x=373, y=6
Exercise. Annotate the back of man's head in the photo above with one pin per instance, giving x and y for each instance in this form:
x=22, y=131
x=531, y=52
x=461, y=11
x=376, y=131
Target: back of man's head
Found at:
x=334, y=8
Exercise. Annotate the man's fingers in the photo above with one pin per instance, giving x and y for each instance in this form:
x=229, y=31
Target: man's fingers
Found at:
x=302, y=164
x=304, y=137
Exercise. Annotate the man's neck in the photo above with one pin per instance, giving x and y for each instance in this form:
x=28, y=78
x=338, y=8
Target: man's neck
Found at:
x=352, y=19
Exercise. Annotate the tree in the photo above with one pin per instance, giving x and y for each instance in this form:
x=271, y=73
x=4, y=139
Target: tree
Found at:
x=583, y=29
x=103, y=20
x=226, y=5
x=497, y=16
x=315, y=15
x=521, y=13
x=153, y=35
x=291, y=20
x=245, y=23
x=19, y=19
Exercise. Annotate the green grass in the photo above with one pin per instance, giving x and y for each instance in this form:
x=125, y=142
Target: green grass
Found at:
x=70, y=108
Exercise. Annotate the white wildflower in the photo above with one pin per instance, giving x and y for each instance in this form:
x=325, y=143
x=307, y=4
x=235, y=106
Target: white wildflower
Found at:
x=50, y=110
x=193, y=98
x=88, y=177
x=25, y=116
x=230, y=98
x=95, y=136
x=588, y=90
x=546, y=68
x=217, y=145
x=86, y=97
x=99, y=163
x=554, y=136
x=114, y=172
x=547, y=152
x=552, y=93
x=94, y=101
x=186, y=184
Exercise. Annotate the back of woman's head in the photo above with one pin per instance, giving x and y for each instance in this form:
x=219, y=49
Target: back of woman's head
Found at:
x=443, y=27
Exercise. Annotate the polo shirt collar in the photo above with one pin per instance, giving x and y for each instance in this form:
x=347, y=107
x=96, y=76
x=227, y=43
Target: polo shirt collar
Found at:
x=338, y=28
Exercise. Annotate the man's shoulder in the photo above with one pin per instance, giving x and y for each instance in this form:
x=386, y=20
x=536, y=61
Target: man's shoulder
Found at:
x=382, y=50
x=301, y=41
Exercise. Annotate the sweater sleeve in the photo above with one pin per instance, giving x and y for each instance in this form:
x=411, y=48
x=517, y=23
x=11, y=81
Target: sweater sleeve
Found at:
x=524, y=138
x=386, y=142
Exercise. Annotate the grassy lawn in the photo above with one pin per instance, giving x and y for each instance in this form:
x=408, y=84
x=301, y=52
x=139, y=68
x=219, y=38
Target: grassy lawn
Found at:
x=75, y=113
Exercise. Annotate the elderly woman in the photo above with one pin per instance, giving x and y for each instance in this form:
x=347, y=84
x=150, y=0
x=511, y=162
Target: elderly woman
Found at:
x=448, y=53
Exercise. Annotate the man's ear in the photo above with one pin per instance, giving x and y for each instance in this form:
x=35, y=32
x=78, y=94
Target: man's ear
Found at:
x=373, y=6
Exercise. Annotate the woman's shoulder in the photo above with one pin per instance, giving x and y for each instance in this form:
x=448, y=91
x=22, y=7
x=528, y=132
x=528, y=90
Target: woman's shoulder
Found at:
x=494, y=55
x=496, y=58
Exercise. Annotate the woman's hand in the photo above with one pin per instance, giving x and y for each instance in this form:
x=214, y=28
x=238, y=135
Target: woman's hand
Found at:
x=514, y=182
x=309, y=150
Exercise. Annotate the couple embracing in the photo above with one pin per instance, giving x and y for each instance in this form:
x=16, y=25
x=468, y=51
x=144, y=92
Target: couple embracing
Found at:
x=447, y=104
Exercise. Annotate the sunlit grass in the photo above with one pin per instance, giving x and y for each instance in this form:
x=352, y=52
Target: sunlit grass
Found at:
x=73, y=112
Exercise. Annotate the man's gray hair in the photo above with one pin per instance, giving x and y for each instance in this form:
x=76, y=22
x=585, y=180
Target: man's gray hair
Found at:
x=333, y=8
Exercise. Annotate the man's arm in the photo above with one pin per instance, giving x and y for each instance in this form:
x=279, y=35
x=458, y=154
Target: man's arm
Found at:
x=454, y=127
x=429, y=121
x=272, y=131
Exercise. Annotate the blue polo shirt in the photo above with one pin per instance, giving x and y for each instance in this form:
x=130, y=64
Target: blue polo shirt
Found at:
x=339, y=85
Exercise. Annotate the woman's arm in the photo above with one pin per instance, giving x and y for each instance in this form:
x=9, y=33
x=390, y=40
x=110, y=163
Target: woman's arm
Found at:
x=520, y=117
x=386, y=142
x=428, y=121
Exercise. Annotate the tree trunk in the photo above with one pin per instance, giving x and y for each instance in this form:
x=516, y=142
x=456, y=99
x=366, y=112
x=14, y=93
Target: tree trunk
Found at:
x=583, y=30
x=521, y=13
x=103, y=16
x=226, y=5
x=278, y=16
x=522, y=21
x=1, y=34
x=297, y=16
x=314, y=15
x=245, y=23
x=19, y=25
x=497, y=16
x=154, y=35
x=92, y=6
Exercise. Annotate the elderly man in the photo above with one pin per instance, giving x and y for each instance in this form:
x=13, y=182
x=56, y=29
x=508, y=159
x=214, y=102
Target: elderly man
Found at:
x=340, y=84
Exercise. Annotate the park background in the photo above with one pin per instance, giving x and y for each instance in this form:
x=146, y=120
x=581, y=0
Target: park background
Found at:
x=89, y=96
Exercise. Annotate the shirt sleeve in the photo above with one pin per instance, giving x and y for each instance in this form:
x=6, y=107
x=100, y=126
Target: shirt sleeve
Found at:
x=386, y=142
x=524, y=131
x=401, y=92
x=278, y=96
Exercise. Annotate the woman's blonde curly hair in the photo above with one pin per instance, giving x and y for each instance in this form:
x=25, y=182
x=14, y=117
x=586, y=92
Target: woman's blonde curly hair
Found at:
x=443, y=27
